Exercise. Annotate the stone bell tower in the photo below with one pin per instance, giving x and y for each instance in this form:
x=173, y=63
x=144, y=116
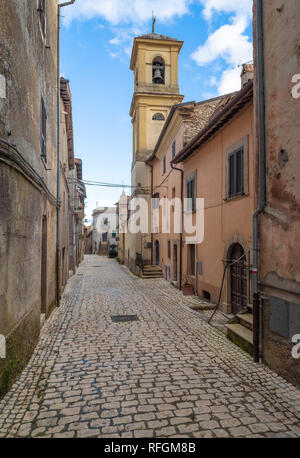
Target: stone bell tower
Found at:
x=154, y=61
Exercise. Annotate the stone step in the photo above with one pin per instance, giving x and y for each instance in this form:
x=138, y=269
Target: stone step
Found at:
x=145, y=277
x=246, y=319
x=241, y=336
x=152, y=268
x=152, y=272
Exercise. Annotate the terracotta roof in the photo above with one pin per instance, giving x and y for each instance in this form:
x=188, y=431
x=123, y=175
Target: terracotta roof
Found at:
x=157, y=36
x=195, y=117
x=65, y=93
x=220, y=117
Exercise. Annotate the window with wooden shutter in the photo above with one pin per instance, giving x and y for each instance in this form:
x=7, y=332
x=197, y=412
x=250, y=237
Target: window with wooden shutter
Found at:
x=173, y=149
x=164, y=165
x=155, y=201
x=43, y=130
x=235, y=173
x=191, y=193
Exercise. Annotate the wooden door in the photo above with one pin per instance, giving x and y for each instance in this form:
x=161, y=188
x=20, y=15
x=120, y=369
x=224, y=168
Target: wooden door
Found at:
x=175, y=267
x=157, y=259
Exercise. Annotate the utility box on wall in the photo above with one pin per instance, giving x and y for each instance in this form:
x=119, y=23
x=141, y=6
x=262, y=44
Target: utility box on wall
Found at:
x=200, y=268
x=284, y=317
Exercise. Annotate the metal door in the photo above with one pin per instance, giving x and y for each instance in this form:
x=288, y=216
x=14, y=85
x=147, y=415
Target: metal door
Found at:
x=238, y=276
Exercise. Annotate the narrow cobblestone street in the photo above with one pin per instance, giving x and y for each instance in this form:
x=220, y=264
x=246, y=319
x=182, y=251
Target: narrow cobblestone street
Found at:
x=169, y=374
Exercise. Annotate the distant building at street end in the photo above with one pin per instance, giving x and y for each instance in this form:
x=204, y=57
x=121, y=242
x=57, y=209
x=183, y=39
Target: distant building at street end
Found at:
x=105, y=235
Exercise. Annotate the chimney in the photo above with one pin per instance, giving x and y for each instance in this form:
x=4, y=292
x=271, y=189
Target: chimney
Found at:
x=247, y=73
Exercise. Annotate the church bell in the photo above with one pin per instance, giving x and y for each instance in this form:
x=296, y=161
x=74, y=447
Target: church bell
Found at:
x=157, y=74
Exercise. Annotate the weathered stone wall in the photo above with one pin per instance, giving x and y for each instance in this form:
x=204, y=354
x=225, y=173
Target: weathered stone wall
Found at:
x=280, y=223
x=28, y=62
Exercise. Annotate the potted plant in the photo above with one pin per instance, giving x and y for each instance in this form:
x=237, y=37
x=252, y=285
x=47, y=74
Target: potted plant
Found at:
x=187, y=288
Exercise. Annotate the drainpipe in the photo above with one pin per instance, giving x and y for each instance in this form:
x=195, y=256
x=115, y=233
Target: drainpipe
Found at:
x=257, y=305
x=151, y=171
x=181, y=237
x=59, y=6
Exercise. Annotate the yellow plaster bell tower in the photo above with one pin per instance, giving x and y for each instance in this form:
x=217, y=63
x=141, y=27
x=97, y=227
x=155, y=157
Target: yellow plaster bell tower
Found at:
x=154, y=61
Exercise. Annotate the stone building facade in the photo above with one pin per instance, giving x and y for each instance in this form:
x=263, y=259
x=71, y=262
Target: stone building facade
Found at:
x=185, y=120
x=277, y=143
x=219, y=161
x=31, y=272
x=105, y=221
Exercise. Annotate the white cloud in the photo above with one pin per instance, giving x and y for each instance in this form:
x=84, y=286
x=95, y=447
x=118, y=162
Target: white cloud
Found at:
x=122, y=11
x=230, y=81
x=228, y=43
x=239, y=7
x=119, y=13
x=124, y=35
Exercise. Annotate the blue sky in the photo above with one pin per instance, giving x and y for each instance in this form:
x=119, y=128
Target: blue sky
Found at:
x=96, y=41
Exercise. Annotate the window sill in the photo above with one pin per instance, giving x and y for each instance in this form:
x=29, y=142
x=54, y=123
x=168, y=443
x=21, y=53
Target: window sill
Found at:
x=237, y=196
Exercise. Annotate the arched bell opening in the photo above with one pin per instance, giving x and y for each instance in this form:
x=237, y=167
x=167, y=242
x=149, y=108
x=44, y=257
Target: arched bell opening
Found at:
x=158, y=70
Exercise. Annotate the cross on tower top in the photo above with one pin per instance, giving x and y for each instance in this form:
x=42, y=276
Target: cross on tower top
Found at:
x=153, y=23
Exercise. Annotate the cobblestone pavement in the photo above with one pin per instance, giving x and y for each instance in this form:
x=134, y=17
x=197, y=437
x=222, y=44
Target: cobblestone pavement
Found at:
x=169, y=374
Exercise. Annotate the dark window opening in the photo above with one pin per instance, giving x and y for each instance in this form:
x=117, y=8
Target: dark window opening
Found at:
x=169, y=249
x=158, y=71
x=42, y=15
x=206, y=295
x=43, y=130
x=104, y=237
x=158, y=117
x=236, y=172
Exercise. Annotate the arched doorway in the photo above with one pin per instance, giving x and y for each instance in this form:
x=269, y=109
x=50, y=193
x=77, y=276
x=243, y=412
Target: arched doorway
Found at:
x=175, y=267
x=157, y=259
x=238, y=278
